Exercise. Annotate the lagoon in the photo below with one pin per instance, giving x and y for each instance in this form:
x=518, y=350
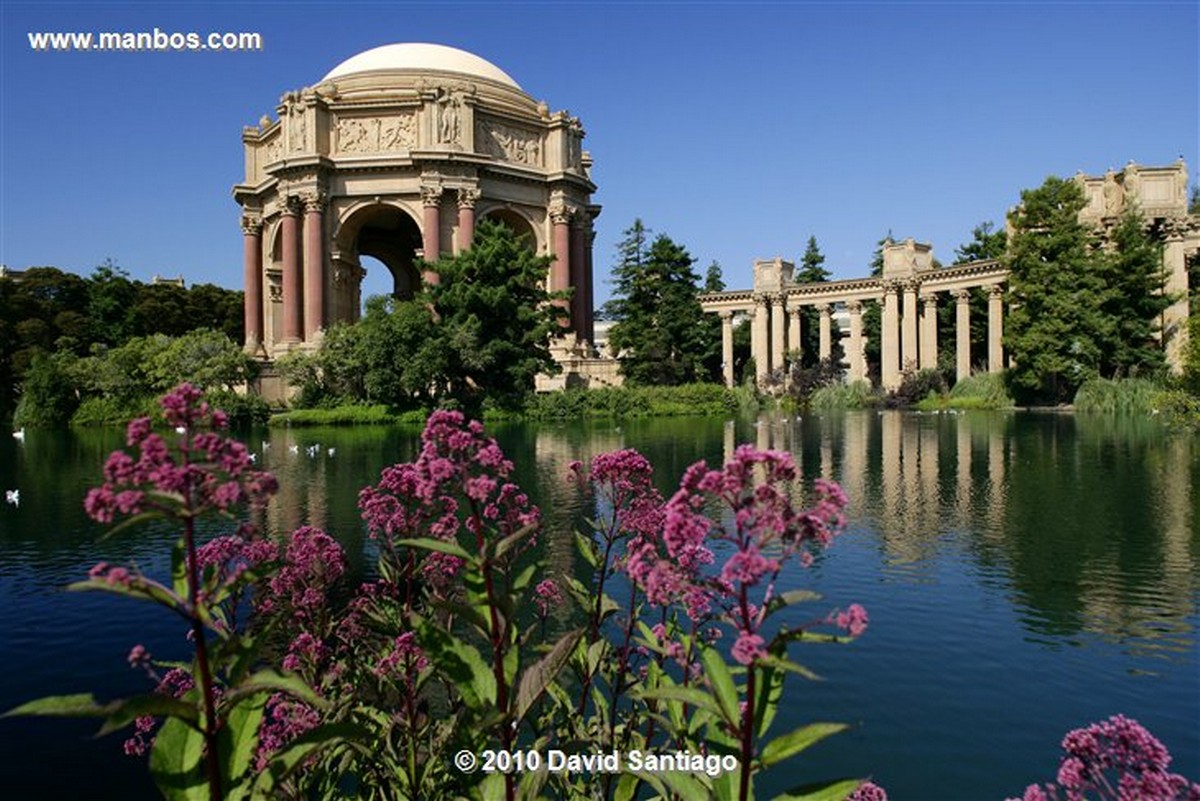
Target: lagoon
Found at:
x=1025, y=574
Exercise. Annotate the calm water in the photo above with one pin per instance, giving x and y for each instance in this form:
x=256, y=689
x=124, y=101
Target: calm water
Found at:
x=1024, y=574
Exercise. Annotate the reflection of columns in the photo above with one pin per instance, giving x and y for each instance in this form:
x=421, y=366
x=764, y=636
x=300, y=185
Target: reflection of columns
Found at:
x=889, y=339
x=962, y=334
x=560, y=270
x=467, y=197
x=889, y=470
x=995, y=329
x=578, y=243
x=729, y=441
x=252, y=277
x=858, y=367
x=793, y=342
x=962, y=439
x=856, y=459
x=759, y=347
x=909, y=356
x=929, y=326
x=777, y=343
x=431, y=229
x=314, y=264
x=727, y=346
x=825, y=346
x=293, y=327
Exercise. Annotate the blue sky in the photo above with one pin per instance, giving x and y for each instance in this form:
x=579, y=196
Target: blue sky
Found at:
x=737, y=129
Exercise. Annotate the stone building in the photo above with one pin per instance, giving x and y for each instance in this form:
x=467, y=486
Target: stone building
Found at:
x=394, y=154
x=911, y=288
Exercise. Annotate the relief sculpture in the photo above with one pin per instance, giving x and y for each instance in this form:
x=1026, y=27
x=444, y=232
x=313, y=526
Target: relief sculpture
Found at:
x=376, y=134
x=517, y=145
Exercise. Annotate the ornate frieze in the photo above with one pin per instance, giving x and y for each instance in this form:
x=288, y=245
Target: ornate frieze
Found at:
x=376, y=134
x=509, y=143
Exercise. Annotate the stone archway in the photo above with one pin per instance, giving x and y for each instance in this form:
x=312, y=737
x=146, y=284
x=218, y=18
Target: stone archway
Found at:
x=384, y=232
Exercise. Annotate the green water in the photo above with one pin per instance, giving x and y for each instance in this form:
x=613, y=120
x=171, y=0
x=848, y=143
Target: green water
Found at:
x=1024, y=574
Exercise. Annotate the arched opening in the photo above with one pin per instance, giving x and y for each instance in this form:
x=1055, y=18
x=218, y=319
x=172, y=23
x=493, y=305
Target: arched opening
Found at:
x=515, y=223
x=382, y=236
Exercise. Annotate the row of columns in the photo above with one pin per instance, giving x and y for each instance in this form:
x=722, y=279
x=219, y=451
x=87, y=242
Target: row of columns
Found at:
x=431, y=223
x=572, y=267
x=908, y=337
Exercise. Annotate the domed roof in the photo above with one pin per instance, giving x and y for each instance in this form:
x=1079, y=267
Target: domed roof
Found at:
x=420, y=56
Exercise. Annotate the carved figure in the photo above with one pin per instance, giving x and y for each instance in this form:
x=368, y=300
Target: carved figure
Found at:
x=449, y=124
x=1114, y=195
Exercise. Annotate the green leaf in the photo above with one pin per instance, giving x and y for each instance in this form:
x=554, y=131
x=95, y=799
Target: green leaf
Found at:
x=627, y=787
x=688, y=695
x=768, y=692
x=541, y=673
x=835, y=790
x=143, y=589
x=117, y=714
x=722, y=684
x=130, y=522
x=459, y=662
x=802, y=635
x=82, y=705
x=789, y=666
x=790, y=597
x=587, y=549
x=237, y=742
x=525, y=576
x=175, y=762
x=272, y=680
x=796, y=741
x=442, y=546
x=513, y=540
x=179, y=568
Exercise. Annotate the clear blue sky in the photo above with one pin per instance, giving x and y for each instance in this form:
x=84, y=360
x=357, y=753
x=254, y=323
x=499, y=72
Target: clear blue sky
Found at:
x=737, y=129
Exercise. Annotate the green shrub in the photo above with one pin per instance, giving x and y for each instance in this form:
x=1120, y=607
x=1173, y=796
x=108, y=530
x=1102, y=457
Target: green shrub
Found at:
x=106, y=410
x=981, y=391
x=688, y=399
x=1117, y=396
x=856, y=395
x=346, y=416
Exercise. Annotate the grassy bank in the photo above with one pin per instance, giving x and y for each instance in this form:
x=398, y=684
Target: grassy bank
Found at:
x=980, y=391
x=349, y=415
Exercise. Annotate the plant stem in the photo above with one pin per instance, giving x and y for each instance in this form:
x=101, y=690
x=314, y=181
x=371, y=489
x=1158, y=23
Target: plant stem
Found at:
x=206, y=684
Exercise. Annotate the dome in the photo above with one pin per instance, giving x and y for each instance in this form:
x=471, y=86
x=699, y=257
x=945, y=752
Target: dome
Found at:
x=421, y=57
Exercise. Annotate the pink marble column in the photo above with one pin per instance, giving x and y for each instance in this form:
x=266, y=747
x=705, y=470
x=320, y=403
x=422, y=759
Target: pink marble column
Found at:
x=578, y=295
x=293, y=328
x=466, y=217
x=314, y=265
x=252, y=278
x=560, y=270
x=431, y=229
x=589, y=310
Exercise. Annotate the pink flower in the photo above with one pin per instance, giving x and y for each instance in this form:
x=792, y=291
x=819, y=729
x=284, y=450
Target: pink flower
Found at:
x=748, y=648
x=853, y=620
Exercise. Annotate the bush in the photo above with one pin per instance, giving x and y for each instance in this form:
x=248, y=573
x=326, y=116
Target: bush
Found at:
x=987, y=389
x=916, y=387
x=105, y=410
x=350, y=415
x=627, y=402
x=1118, y=396
x=856, y=395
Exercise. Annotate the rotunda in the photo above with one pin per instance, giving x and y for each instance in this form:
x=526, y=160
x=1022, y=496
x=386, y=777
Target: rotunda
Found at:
x=395, y=154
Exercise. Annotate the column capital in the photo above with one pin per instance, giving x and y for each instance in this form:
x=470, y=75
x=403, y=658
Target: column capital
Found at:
x=890, y=285
x=929, y=300
x=778, y=299
x=961, y=295
x=313, y=200
x=431, y=195
x=825, y=309
x=910, y=284
x=725, y=314
x=854, y=306
x=560, y=213
x=760, y=299
x=252, y=224
x=468, y=196
x=1175, y=228
x=289, y=205
x=995, y=291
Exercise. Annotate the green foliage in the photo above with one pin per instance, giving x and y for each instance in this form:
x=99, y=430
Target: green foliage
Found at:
x=660, y=329
x=855, y=395
x=348, y=415
x=1079, y=310
x=983, y=390
x=916, y=386
x=628, y=402
x=986, y=243
x=48, y=398
x=1135, y=396
x=207, y=359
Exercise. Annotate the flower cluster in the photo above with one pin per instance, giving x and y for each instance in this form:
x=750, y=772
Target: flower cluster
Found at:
x=1116, y=759
x=204, y=472
x=284, y=719
x=312, y=562
x=175, y=683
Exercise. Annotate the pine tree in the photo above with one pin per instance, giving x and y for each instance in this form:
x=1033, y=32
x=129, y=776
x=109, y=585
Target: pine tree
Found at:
x=811, y=271
x=659, y=328
x=1134, y=277
x=1055, y=327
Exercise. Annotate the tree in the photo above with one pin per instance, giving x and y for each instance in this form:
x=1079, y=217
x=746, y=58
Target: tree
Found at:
x=986, y=243
x=811, y=271
x=1055, y=326
x=1134, y=300
x=659, y=329
x=712, y=356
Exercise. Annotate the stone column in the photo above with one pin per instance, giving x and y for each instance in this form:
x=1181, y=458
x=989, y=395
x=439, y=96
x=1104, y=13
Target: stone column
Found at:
x=578, y=244
x=727, y=346
x=825, y=349
x=431, y=229
x=1174, y=317
x=314, y=264
x=252, y=277
x=759, y=345
x=995, y=328
x=778, y=347
x=589, y=304
x=909, y=356
x=293, y=326
x=560, y=269
x=467, y=197
x=794, y=344
x=962, y=334
x=858, y=367
x=929, y=327
x=889, y=337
